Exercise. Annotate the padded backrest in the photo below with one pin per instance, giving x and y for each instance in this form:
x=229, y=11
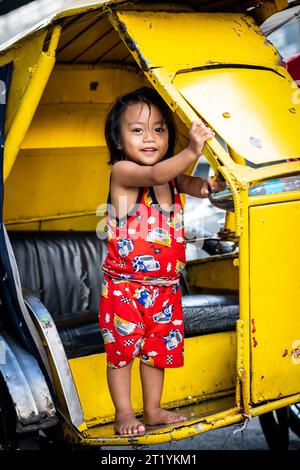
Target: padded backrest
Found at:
x=61, y=268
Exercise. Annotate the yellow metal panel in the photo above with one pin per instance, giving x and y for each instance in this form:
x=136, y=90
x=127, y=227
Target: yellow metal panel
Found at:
x=23, y=226
x=200, y=38
x=90, y=84
x=56, y=183
x=215, y=272
x=29, y=101
x=275, y=300
x=210, y=368
x=80, y=223
x=25, y=59
x=78, y=126
x=240, y=104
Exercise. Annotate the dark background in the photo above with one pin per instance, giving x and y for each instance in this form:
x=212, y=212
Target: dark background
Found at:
x=8, y=5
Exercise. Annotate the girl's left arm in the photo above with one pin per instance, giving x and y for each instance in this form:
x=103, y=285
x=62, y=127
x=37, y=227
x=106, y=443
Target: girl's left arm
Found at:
x=197, y=186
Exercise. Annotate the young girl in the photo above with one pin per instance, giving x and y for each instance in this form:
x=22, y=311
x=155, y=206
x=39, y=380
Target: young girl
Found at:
x=140, y=306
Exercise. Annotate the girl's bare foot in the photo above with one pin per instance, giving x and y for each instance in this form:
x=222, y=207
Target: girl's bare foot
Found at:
x=160, y=416
x=126, y=423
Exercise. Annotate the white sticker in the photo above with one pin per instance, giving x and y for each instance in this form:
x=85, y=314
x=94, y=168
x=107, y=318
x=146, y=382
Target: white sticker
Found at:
x=296, y=352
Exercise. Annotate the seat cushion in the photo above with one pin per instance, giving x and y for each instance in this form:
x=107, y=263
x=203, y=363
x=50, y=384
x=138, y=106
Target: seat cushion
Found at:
x=62, y=269
x=209, y=313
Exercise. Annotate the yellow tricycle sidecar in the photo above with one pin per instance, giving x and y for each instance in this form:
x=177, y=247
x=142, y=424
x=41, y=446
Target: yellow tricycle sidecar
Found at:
x=241, y=304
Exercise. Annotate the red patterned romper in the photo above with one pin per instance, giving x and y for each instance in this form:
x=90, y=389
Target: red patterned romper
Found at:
x=140, y=306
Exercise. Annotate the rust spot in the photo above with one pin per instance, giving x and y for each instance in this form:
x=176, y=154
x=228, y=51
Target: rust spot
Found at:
x=285, y=353
x=132, y=46
x=247, y=20
x=254, y=342
x=253, y=325
x=280, y=61
x=237, y=32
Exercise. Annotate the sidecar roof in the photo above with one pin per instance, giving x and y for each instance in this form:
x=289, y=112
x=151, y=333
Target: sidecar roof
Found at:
x=78, y=7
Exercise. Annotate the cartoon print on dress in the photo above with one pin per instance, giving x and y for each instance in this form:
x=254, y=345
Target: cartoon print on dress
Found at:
x=137, y=346
x=155, y=249
x=117, y=293
x=169, y=359
x=148, y=199
x=147, y=359
x=152, y=353
x=176, y=221
x=165, y=316
x=151, y=220
x=175, y=287
x=179, y=266
x=173, y=339
x=125, y=277
x=104, y=291
x=145, y=297
x=159, y=235
x=125, y=299
x=145, y=263
x=123, y=327
x=111, y=365
x=108, y=336
x=125, y=246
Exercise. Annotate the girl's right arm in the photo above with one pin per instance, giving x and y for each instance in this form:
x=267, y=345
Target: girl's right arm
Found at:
x=129, y=174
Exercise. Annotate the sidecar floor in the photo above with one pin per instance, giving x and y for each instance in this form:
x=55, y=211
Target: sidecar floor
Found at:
x=105, y=435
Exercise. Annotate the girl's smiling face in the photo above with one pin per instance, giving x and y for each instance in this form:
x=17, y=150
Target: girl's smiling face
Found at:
x=144, y=134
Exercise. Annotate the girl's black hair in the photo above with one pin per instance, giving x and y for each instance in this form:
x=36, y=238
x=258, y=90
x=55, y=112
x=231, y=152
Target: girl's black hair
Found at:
x=113, y=122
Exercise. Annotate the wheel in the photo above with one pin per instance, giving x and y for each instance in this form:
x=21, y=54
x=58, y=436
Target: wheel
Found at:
x=275, y=426
x=294, y=418
x=9, y=439
x=7, y=419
